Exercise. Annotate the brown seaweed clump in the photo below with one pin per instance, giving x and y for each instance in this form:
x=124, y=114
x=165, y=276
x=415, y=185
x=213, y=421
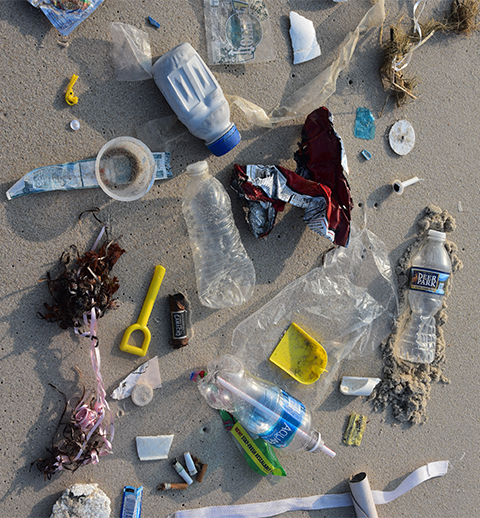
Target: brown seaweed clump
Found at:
x=85, y=283
x=462, y=19
x=406, y=386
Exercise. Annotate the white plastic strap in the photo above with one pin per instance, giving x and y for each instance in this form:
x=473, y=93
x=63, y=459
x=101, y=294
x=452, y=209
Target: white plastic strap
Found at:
x=311, y=503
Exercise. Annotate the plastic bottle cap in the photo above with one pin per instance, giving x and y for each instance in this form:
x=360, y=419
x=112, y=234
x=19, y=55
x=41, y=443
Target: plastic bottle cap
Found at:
x=436, y=235
x=226, y=142
x=197, y=168
x=75, y=125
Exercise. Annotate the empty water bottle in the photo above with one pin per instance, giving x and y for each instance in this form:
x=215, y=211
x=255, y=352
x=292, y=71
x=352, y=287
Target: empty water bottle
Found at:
x=225, y=274
x=429, y=274
x=261, y=407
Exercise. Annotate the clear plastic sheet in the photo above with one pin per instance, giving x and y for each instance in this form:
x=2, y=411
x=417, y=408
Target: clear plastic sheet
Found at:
x=131, y=53
x=315, y=93
x=348, y=305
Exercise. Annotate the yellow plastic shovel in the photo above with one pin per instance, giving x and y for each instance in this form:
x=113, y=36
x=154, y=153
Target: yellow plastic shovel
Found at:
x=300, y=355
x=142, y=322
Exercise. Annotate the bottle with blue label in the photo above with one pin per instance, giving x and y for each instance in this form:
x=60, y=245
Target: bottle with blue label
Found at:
x=261, y=407
x=429, y=274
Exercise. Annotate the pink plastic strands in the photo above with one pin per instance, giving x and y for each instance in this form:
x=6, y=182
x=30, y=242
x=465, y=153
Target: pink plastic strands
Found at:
x=88, y=419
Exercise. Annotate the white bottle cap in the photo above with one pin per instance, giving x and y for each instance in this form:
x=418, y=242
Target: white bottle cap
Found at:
x=436, y=235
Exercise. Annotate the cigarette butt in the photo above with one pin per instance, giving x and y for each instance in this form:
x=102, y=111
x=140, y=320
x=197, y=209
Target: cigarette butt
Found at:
x=166, y=485
x=202, y=472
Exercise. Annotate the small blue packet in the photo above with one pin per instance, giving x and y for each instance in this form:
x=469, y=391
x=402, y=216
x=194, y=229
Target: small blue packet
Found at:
x=65, y=15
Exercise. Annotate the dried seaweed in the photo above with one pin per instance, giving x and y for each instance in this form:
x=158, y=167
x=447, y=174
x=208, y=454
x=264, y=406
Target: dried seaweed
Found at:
x=85, y=283
x=398, y=49
x=81, y=295
x=406, y=387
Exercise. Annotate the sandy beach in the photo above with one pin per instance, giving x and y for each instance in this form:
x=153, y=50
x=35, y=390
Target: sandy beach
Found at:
x=37, y=63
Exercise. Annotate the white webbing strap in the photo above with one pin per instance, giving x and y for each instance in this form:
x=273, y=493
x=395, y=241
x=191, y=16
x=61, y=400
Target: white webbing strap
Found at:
x=311, y=503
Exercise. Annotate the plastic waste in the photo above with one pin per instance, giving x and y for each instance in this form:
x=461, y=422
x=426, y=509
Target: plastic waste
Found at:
x=304, y=39
x=429, y=274
x=225, y=274
x=238, y=32
x=195, y=96
x=261, y=407
x=65, y=15
x=359, y=280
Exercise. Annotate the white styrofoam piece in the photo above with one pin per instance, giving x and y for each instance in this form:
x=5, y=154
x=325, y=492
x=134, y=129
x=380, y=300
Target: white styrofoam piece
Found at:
x=154, y=447
x=304, y=39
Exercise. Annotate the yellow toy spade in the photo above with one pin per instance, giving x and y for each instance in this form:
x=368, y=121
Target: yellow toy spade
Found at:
x=142, y=322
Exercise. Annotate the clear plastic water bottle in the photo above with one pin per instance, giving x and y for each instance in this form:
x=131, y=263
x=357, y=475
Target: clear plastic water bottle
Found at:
x=429, y=273
x=195, y=96
x=261, y=407
x=225, y=274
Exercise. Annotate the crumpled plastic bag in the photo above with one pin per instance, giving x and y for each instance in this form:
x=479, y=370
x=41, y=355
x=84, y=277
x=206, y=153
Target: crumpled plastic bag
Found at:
x=348, y=305
x=131, y=53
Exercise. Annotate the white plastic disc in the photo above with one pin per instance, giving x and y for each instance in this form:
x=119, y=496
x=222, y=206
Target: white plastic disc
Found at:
x=75, y=125
x=142, y=394
x=402, y=137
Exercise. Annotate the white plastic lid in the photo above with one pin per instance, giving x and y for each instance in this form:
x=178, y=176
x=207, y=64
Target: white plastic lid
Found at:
x=436, y=235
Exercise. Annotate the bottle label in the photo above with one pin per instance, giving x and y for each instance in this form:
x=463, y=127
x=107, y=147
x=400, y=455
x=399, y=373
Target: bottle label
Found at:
x=282, y=432
x=431, y=281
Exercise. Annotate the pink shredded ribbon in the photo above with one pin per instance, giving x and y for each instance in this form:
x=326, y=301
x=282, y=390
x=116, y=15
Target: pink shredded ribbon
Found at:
x=92, y=419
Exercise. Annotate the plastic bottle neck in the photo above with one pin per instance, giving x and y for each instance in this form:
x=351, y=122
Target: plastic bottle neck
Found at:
x=197, y=169
x=435, y=235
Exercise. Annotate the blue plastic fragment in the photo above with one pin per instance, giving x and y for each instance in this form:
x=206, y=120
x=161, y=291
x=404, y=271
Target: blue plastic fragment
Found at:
x=364, y=124
x=153, y=22
x=367, y=155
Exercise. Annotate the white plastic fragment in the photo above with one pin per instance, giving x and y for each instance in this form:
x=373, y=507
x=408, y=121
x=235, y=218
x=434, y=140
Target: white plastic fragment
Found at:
x=154, y=447
x=399, y=186
x=355, y=386
x=147, y=374
x=402, y=137
x=82, y=501
x=304, y=39
x=75, y=125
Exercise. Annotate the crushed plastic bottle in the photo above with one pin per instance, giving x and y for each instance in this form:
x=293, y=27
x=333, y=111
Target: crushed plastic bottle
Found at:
x=429, y=274
x=261, y=407
x=195, y=96
x=225, y=274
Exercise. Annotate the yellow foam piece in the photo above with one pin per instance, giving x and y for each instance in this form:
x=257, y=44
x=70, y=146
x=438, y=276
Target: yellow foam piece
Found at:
x=300, y=356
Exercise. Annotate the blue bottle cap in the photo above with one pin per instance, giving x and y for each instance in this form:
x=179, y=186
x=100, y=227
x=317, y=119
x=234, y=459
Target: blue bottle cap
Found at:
x=226, y=142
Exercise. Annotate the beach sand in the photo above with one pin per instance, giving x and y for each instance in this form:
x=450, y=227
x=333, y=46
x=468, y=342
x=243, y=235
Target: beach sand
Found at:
x=37, y=64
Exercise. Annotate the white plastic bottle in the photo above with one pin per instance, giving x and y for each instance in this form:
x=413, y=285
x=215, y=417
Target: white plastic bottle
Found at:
x=261, y=407
x=429, y=273
x=195, y=96
x=225, y=274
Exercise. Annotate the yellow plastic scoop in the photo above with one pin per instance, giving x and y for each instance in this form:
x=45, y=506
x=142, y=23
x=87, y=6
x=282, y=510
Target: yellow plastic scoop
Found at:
x=141, y=325
x=299, y=355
